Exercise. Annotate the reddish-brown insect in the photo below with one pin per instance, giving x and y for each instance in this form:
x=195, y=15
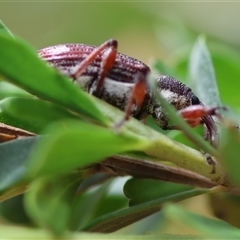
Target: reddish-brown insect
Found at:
x=122, y=81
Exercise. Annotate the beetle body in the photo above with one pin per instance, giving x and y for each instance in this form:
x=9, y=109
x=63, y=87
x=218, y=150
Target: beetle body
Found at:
x=121, y=81
x=118, y=83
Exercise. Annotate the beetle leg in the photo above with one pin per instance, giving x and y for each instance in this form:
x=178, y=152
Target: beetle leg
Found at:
x=137, y=97
x=210, y=162
x=138, y=94
x=197, y=117
x=108, y=59
x=202, y=114
x=206, y=133
x=199, y=111
x=211, y=130
x=194, y=122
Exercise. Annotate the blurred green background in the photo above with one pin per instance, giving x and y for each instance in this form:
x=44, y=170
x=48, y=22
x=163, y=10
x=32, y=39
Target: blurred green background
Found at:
x=144, y=30
x=133, y=23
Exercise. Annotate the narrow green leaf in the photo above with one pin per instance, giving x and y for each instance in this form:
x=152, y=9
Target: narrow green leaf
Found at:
x=32, y=74
x=202, y=76
x=226, y=62
x=117, y=220
x=205, y=226
x=143, y=190
x=9, y=90
x=79, y=145
x=49, y=201
x=231, y=118
x=32, y=114
x=162, y=148
x=85, y=206
x=159, y=67
x=16, y=232
x=13, y=211
x=5, y=30
x=230, y=212
x=230, y=151
x=13, y=155
x=16, y=190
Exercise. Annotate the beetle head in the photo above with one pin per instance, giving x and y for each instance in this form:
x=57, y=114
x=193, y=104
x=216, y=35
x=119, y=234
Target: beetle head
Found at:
x=181, y=96
x=174, y=92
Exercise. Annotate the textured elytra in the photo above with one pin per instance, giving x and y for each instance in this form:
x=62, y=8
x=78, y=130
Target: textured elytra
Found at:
x=66, y=57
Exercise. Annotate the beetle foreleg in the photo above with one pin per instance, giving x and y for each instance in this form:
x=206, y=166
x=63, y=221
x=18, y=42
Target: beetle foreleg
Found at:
x=199, y=111
x=200, y=114
x=206, y=135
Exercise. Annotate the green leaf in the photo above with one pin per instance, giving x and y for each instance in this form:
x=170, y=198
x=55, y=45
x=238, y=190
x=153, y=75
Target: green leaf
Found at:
x=229, y=152
x=162, y=148
x=143, y=190
x=13, y=155
x=86, y=205
x=16, y=232
x=40, y=80
x=205, y=226
x=32, y=114
x=230, y=212
x=79, y=145
x=226, y=62
x=12, y=210
x=9, y=90
x=13, y=191
x=5, y=30
x=201, y=74
x=119, y=219
x=161, y=68
x=49, y=201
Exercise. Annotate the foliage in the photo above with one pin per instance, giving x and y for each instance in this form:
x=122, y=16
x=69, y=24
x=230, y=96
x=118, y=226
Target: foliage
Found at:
x=61, y=166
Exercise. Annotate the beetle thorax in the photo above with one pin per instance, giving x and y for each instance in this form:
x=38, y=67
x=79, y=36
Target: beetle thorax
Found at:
x=175, y=92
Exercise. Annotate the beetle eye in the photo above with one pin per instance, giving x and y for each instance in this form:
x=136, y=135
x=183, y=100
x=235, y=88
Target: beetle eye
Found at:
x=195, y=100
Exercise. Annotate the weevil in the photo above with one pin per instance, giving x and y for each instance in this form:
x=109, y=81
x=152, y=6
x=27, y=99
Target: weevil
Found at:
x=121, y=81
